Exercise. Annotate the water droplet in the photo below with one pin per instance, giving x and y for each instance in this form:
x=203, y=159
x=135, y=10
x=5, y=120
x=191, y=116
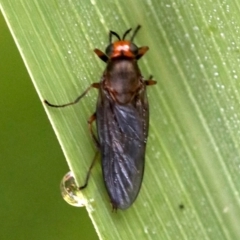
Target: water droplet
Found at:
x=70, y=192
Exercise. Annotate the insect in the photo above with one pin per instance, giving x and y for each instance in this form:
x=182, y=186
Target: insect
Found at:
x=122, y=119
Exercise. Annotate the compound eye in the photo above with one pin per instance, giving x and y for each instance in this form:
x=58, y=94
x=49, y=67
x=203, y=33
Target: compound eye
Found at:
x=133, y=48
x=109, y=50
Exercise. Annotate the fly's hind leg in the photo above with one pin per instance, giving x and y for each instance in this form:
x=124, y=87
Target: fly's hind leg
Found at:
x=89, y=172
x=96, y=143
x=93, y=85
x=90, y=121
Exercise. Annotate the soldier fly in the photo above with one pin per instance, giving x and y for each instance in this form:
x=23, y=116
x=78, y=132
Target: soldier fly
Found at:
x=122, y=119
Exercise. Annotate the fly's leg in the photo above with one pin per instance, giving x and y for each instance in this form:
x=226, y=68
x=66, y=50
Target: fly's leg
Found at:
x=93, y=85
x=101, y=55
x=141, y=52
x=89, y=172
x=90, y=121
x=150, y=82
x=96, y=143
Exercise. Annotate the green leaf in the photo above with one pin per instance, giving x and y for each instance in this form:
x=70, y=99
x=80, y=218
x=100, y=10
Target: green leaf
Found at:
x=191, y=183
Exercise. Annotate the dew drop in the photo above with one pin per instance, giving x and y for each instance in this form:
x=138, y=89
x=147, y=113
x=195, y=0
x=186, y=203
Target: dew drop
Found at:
x=70, y=192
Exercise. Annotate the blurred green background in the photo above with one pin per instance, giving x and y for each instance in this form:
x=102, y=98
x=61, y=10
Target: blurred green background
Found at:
x=32, y=163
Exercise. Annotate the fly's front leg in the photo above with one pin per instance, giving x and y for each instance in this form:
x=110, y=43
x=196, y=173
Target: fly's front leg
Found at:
x=101, y=55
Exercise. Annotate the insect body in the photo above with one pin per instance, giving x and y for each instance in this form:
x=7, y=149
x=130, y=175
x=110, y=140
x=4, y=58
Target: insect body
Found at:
x=122, y=117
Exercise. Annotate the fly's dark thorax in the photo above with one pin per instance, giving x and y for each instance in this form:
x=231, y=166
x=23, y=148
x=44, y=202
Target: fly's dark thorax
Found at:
x=123, y=79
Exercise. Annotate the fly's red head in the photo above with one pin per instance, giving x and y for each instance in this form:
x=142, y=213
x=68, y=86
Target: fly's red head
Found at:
x=122, y=47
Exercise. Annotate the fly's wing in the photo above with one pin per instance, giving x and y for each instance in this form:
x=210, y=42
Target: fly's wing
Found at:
x=122, y=132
